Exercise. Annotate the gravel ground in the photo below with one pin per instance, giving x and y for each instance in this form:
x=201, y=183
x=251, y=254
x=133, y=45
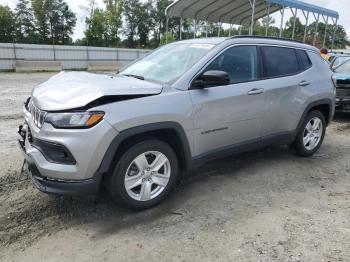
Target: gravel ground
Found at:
x=262, y=206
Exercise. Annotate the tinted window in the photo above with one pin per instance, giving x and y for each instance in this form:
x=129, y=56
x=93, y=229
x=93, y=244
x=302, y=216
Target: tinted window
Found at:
x=304, y=60
x=240, y=62
x=279, y=61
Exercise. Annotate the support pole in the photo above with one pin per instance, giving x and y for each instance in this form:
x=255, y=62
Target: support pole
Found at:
x=240, y=28
x=219, y=29
x=166, y=29
x=268, y=20
x=54, y=52
x=206, y=29
x=14, y=50
x=316, y=29
x=306, y=25
x=252, y=3
x=334, y=30
x=295, y=19
x=230, y=31
x=195, y=29
x=282, y=17
x=325, y=31
x=181, y=27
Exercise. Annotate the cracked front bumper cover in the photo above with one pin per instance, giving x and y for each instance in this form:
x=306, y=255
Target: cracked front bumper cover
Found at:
x=342, y=104
x=54, y=186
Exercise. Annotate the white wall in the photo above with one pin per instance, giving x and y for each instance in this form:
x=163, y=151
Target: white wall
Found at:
x=71, y=57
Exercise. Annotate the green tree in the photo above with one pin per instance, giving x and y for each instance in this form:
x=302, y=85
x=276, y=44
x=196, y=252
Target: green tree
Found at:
x=114, y=20
x=260, y=29
x=131, y=14
x=158, y=15
x=298, y=31
x=54, y=20
x=145, y=23
x=340, y=39
x=96, y=32
x=41, y=23
x=169, y=38
x=67, y=23
x=7, y=24
x=25, y=29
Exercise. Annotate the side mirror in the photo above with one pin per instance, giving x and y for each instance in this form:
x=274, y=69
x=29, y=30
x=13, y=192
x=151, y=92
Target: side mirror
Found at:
x=212, y=78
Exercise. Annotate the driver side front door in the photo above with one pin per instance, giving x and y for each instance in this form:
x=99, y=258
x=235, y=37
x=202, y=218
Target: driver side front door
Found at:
x=230, y=115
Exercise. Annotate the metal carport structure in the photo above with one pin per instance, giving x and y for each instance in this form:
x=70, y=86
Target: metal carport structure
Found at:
x=247, y=12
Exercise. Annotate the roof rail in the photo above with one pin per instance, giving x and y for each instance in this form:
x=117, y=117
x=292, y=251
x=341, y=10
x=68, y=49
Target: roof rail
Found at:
x=266, y=37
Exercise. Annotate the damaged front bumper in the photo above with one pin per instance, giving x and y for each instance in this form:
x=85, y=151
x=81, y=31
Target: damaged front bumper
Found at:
x=47, y=184
x=342, y=104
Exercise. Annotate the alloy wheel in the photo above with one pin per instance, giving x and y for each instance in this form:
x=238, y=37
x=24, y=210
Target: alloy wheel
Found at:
x=147, y=176
x=312, y=133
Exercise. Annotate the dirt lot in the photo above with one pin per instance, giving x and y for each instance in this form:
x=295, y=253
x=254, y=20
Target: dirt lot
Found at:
x=263, y=206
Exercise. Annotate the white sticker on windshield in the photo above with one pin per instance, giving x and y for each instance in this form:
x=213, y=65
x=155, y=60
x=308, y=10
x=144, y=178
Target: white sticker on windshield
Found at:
x=202, y=46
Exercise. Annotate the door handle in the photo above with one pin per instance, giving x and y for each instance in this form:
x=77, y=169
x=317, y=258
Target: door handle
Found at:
x=256, y=91
x=304, y=83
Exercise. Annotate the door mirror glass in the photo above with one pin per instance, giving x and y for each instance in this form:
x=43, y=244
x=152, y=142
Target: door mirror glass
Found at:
x=212, y=78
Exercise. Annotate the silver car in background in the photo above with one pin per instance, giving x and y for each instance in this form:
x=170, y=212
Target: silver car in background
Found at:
x=178, y=107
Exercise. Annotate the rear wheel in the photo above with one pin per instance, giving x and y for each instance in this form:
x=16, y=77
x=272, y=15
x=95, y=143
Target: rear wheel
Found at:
x=144, y=175
x=311, y=134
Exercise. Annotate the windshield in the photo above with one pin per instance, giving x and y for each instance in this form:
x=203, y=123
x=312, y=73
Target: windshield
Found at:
x=344, y=68
x=168, y=63
x=340, y=60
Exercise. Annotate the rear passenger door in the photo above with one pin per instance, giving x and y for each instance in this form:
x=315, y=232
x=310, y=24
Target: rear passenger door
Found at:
x=286, y=82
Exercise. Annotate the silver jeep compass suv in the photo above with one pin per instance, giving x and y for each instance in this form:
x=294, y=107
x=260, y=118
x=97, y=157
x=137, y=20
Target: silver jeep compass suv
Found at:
x=182, y=105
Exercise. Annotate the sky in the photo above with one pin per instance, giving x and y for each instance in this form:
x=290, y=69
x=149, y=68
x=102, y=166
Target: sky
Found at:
x=80, y=7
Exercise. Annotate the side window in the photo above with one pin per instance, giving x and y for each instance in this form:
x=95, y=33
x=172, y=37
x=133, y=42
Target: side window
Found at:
x=240, y=62
x=279, y=61
x=304, y=60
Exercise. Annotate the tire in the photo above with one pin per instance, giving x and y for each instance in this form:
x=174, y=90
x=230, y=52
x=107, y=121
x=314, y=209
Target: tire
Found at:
x=313, y=130
x=137, y=170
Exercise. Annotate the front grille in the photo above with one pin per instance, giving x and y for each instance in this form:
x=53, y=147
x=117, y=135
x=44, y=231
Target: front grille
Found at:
x=343, y=92
x=38, y=115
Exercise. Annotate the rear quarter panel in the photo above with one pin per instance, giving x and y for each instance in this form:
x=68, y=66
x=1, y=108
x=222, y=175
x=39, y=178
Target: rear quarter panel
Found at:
x=286, y=100
x=322, y=85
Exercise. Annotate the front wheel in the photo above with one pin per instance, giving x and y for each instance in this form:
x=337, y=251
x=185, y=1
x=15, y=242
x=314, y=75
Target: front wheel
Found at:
x=144, y=175
x=311, y=134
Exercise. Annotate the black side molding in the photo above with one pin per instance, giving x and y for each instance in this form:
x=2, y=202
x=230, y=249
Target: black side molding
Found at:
x=110, y=154
x=190, y=162
x=325, y=101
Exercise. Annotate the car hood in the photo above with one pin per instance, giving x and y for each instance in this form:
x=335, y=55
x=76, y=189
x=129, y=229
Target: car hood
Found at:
x=342, y=76
x=343, y=80
x=69, y=90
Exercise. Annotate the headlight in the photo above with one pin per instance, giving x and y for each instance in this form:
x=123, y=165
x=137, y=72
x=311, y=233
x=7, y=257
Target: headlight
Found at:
x=74, y=120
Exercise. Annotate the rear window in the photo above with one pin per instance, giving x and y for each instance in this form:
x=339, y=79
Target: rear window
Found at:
x=304, y=60
x=279, y=61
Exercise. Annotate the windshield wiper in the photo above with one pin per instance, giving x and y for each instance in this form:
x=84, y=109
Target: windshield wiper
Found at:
x=134, y=76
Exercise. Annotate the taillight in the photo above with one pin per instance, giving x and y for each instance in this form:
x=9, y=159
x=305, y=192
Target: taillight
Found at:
x=334, y=80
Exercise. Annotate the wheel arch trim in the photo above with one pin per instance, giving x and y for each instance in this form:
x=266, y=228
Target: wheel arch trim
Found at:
x=110, y=154
x=325, y=101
